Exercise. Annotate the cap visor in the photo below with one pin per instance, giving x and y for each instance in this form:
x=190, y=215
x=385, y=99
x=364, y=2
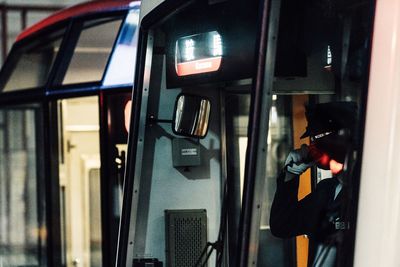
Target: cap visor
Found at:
x=305, y=134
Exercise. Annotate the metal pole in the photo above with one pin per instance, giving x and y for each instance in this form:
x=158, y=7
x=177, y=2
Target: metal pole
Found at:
x=4, y=32
x=23, y=18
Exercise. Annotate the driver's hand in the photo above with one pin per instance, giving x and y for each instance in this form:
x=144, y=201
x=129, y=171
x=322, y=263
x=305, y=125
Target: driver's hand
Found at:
x=298, y=161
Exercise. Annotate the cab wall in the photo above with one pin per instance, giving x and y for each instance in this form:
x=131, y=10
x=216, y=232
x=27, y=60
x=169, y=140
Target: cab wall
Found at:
x=164, y=187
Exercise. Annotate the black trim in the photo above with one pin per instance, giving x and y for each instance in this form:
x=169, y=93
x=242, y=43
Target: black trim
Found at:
x=65, y=54
x=41, y=183
x=105, y=188
x=21, y=97
x=37, y=95
x=54, y=245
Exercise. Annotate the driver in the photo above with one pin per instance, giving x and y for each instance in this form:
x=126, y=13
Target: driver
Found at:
x=320, y=214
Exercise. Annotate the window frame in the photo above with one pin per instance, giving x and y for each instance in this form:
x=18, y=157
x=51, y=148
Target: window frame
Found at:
x=52, y=86
x=75, y=29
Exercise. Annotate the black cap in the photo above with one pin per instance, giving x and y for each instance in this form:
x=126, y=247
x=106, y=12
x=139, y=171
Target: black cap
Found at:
x=330, y=117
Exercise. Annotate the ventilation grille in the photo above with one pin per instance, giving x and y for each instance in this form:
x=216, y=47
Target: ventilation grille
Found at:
x=186, y=236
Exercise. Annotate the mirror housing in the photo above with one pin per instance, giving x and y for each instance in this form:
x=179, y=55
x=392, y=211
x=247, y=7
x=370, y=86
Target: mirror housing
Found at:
x=191, y=115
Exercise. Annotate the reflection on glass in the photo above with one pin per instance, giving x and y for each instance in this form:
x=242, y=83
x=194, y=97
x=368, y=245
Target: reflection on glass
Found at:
x=30, y=68
x=311, y=208
x=237, y=120
x=121, y=69
x=92, y=51
x=191, y=116
x=274, y=251
x=22, y=228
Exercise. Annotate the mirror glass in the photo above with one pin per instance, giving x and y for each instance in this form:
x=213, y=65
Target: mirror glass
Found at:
x=191, y=115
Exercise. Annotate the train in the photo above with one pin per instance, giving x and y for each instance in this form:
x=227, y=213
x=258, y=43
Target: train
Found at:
x=154, y=133
x=65, y=95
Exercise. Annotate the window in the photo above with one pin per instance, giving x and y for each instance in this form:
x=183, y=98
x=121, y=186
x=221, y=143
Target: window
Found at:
x=121, y=69
x=22, y=218
x=92, y=51
x=29, y=66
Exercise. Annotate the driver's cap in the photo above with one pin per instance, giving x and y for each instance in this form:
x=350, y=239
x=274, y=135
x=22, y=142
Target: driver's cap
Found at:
x=330, y=117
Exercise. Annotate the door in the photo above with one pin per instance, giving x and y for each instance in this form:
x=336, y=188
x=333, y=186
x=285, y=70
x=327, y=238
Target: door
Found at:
x=80, y=181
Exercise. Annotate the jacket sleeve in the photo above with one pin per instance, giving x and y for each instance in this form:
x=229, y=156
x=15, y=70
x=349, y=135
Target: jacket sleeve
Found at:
x=290, y=217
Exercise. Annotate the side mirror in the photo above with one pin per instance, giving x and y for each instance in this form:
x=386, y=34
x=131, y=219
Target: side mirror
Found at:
x=191, y=115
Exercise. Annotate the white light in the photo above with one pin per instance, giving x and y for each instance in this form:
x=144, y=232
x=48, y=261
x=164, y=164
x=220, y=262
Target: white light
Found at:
x=217, y=45
x=274, y=115
x=189, y=50
x=123, y=59
x=133, y=17
x=329, y=56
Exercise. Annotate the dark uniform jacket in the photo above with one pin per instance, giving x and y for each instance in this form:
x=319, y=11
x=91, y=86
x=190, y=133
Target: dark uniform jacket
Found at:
x=316, y=215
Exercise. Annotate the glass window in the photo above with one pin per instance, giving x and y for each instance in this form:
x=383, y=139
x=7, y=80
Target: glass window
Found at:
x=80, y=181
x=22, y=209
x=118, y=107
x=29, y=66
x=92, y=51
x=121, y=69
x=321, y=73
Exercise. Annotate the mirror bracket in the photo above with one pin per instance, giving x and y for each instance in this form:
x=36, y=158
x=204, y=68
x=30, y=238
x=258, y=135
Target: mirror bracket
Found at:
x=153, y=120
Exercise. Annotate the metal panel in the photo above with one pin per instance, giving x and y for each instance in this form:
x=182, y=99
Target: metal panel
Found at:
x=139, y=152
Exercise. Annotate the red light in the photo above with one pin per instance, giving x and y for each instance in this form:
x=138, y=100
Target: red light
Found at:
x=198, y=66
x=335, y=166
x=324, y=160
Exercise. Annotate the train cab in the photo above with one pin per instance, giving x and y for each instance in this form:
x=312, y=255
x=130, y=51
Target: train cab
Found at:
x=225, y=91
x=65, y=92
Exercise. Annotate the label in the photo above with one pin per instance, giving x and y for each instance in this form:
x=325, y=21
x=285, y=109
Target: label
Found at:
x=189, y=151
